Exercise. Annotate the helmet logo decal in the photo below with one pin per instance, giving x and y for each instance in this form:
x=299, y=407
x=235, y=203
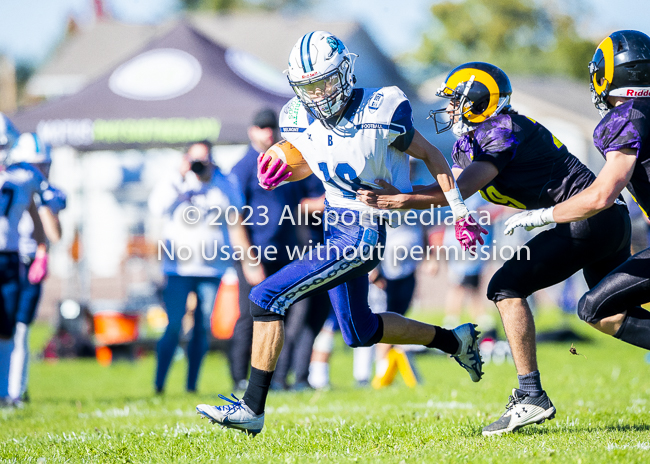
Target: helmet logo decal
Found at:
x=465, y=75
x=305, y=55
x=607, y=47
x=335, y=44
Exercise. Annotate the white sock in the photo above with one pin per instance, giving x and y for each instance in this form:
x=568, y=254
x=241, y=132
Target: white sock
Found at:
x=362, y=363
x=18, y=366
x=381, y=366
x=319, y=374
x=324, y=342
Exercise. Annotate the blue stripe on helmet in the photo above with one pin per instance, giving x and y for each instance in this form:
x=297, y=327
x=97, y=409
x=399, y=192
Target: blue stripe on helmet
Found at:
x=36, y=144
x=305, y=56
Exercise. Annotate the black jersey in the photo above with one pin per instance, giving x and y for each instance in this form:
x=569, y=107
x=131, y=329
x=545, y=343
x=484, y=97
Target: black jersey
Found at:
x=535, y=169
x=627, y=126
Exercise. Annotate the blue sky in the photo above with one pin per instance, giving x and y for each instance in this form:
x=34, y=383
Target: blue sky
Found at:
x=31, y=29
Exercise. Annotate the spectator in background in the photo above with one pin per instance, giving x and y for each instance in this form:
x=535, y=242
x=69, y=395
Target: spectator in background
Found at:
x=200, y=186
x=264, y=229
x=30, y=149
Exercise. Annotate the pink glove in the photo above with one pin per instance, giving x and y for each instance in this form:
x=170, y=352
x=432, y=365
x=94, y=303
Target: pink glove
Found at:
x=270, y=176
x=38, y=270
x=468, y=232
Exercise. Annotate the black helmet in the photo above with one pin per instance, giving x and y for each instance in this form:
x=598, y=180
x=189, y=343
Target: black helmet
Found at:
x=480, y=90
x=620, y=68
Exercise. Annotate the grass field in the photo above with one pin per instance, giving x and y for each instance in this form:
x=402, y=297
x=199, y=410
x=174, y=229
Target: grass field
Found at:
x=82, y=412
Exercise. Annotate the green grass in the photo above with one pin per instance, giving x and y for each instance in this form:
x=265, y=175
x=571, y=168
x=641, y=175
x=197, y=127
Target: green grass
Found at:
x=82, y=412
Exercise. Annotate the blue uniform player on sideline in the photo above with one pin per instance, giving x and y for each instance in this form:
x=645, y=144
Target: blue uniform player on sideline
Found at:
x=33, y=262
x=18, y=184
x=349, y=137
x=620, y=87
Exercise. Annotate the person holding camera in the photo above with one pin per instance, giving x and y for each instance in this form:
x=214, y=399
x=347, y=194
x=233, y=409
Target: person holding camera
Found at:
x=201, y=233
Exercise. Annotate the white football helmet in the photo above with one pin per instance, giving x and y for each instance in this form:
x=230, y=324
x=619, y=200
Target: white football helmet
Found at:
x=321, y=72
x=30, y=149
x=8, y=136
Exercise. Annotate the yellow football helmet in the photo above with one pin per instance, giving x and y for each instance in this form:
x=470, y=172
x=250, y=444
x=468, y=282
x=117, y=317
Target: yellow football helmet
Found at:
x=620, y=68
x=478, y=92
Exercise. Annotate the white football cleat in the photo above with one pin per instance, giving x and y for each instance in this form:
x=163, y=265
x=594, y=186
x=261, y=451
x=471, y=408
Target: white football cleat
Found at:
x=468, y=355
x=235, y=415
x=522, y=410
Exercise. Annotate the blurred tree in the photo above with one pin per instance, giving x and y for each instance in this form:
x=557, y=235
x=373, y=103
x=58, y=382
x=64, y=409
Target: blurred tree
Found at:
x=211, y=5
x=230, y=5
x=518, y=35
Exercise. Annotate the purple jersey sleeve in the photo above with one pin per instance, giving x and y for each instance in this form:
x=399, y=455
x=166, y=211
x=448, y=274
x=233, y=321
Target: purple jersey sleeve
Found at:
x=462, y=152
x=617, y=130
x=497, y=142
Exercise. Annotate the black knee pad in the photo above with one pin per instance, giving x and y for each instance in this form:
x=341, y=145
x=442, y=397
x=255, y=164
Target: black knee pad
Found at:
x=262, y=315
x=588, y=307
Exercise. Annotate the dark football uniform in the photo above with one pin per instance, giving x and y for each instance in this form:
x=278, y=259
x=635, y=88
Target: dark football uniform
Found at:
x=537, y=171
x=628, y=286
x=627, y=126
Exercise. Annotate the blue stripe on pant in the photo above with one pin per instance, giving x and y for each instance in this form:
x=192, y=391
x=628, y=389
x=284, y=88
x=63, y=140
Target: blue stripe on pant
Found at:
x=340, y=267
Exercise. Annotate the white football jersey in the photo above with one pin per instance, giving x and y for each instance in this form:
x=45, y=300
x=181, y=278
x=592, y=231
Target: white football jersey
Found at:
x=357, y=151
x=18, y=184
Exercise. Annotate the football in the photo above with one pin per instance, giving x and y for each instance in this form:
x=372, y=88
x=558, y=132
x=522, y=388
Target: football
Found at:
x=290, y=155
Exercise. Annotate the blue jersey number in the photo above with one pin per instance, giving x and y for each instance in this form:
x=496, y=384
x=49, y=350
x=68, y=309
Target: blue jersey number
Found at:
x=6, y=198
x=346, y=174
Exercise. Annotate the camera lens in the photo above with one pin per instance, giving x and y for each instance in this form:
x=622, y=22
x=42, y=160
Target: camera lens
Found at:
x=198, y=167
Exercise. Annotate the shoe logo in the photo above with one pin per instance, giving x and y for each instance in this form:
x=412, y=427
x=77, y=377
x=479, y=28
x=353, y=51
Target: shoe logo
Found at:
x=524, y=409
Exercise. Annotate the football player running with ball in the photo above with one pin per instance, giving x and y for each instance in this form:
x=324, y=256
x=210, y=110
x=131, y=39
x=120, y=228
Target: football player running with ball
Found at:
x=515, y=161
x=349, y=137
x=620, y=87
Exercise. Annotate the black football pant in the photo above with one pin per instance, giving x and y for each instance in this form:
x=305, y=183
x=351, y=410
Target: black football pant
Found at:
x=596, y=245
x=9, y=291
x=626, y=288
